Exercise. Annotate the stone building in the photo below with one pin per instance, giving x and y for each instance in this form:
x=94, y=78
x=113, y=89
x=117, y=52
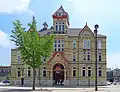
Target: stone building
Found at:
x=72, y=61
x=116, y=75
x=4, y=71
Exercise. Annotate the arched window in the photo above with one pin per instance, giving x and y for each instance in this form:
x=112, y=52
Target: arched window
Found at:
x=29, y=72
x=74, y=71
x=100, y=56
x=83, y=71
x=99, y=72
x=89, y=71
x=44, y=72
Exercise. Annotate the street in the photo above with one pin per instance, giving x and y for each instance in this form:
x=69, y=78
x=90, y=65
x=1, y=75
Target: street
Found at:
x=111, y=88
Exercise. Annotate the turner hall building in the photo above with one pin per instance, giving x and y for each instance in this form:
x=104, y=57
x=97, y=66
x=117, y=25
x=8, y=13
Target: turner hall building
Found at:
x=72, y=62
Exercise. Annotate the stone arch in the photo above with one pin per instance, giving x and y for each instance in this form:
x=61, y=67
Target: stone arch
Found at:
x=58, y=73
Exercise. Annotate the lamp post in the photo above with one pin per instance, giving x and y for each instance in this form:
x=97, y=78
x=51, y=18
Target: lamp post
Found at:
x=95, y=31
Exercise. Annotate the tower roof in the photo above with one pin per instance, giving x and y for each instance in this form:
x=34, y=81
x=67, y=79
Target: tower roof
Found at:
x=60, y=14
x=60, y=10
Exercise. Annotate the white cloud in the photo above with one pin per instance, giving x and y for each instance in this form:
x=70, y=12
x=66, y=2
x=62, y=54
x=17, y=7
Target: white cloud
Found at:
x=113, y=60
x=5, y=40
x=10, y=6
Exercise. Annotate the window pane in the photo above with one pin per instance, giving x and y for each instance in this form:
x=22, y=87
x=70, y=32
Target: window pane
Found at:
x=63, y=45
x=62, y=41
x=99, y=44
x=58, y=41
x=88, y=44
x=55, y=45
x=44, y=73
x=62, y=27
x=100, y=73
x=89, y=67
x=59, y=27
x=58, y=49
x=100, y=57
x=84, y=56
x=83, y=72
x=56, y=27
x=74, y=44
x=58, y=45
x=74, y=73
x=83, y=67
x=74, y=58
x=84, y=44
x=89, y=73
x=18, y=73
x=29, y=73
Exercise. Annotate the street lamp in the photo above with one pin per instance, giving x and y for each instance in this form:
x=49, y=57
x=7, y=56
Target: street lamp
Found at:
x=95, y=31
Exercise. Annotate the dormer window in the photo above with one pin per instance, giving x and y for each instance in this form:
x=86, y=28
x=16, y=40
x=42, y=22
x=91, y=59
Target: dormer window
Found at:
x=59, y=14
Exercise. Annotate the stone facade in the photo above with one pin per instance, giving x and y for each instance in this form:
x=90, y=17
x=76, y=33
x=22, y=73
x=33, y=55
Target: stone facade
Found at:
x=116, y=75
x=74, y=50
x=4, y=71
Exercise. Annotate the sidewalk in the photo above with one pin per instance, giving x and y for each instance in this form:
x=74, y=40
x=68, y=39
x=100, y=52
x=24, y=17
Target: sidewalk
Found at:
x=54, y=89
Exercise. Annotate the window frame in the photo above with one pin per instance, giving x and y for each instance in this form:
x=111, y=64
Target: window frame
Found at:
x=83, y=71
x=44, y=72
x=74, y=44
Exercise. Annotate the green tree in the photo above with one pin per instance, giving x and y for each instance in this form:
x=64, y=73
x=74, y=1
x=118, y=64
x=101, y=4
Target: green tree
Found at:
x=8, y=77
x=31, y=46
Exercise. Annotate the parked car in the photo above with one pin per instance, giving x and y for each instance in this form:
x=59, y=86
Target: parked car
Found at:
x=108, y=83
x=5, y=83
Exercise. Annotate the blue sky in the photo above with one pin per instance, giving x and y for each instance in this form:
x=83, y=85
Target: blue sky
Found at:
x=103, y=12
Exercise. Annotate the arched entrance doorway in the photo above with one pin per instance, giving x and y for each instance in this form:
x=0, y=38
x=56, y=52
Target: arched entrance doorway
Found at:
x=58, y=74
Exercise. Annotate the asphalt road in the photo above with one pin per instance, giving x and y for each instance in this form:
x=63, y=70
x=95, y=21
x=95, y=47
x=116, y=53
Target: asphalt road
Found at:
x=112, y=88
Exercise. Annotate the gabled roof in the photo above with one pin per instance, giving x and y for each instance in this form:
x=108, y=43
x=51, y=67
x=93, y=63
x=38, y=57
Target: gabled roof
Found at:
x=61, y=10
x=55, y=55
x=86, y=27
